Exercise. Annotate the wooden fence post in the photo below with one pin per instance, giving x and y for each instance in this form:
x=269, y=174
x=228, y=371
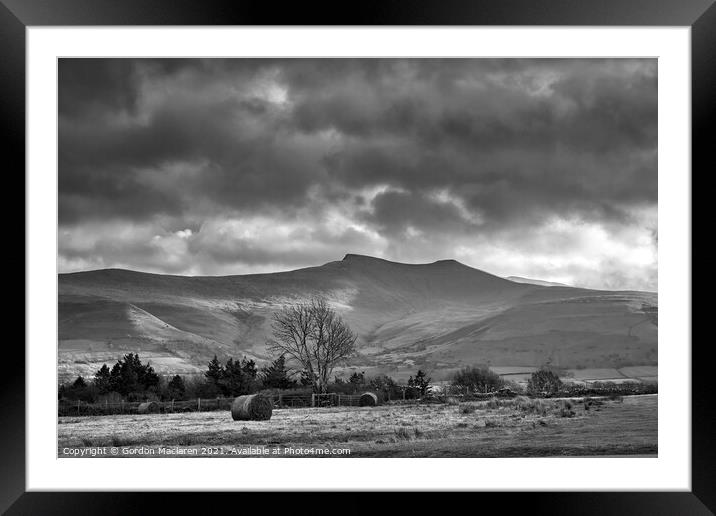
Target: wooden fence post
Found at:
x=78, y=407
x=198, y=404
x=313, y=400
x=280, y=400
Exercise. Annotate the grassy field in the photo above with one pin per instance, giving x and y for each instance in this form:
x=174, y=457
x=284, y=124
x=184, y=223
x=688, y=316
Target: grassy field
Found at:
x=501, y=428
x=519, y=427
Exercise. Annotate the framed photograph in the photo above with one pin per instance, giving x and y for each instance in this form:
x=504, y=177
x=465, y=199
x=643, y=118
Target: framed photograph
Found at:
x=420, y=244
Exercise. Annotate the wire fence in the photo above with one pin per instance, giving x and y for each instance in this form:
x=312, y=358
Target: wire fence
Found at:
x=443, y=394
x=280, y=401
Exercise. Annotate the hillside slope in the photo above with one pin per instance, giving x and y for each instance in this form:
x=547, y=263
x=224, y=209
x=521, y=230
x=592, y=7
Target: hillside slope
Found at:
x=438, y=316
x=518, y=279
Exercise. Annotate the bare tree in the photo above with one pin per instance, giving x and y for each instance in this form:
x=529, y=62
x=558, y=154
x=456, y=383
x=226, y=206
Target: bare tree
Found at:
x=315, y=336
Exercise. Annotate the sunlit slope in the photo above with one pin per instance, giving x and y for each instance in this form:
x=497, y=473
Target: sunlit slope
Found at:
x=584, y=330
x=442, y=314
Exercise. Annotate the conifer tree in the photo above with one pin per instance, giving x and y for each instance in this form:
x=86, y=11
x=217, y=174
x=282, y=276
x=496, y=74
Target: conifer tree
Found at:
x=277, y=375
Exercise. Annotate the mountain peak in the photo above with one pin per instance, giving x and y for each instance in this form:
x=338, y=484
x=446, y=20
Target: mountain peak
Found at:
x=446, y=262
x=364, y=258
x=352, y=257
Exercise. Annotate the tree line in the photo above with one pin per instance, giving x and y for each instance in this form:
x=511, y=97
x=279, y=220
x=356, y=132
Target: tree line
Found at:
x=129, y=379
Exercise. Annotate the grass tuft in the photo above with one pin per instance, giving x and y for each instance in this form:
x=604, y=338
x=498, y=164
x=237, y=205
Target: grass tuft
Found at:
x=402, y=433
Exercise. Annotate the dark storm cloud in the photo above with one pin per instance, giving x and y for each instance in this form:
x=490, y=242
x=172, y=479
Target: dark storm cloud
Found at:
x=393, y=212
x=456, y=146
x=101, y=84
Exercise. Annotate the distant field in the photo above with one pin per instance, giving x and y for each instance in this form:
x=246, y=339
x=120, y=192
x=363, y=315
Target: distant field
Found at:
x=508, y=370
x=624, y=374
x=640, y=371
x=474, y=429
x=595, y=374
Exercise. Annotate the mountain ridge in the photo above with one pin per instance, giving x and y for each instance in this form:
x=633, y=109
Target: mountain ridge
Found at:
x=405, y=315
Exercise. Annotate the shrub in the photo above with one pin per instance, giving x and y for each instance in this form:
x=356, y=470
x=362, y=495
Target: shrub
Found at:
x=411, y=393
x=357, y=379
x=341, y=388
x=386, y=387
x=564, y=409
x=544, y=382
x=513, y=386
x=477, y=379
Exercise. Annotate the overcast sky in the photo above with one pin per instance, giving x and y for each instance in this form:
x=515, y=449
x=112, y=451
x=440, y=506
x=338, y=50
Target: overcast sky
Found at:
x=539, y=168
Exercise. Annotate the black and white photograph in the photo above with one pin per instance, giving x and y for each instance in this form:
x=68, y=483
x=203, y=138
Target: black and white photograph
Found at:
x=357, y=257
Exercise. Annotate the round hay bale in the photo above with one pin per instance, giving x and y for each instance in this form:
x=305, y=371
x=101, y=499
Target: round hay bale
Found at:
x=251, y=407
x=368, y=399
x=148, y=407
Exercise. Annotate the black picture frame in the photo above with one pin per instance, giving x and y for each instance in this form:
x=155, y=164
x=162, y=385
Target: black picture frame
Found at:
x=17, y=15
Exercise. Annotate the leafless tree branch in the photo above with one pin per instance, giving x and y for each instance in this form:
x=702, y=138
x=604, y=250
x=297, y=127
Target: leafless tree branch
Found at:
x=313, y=334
